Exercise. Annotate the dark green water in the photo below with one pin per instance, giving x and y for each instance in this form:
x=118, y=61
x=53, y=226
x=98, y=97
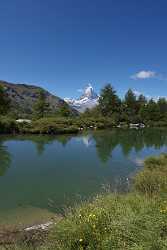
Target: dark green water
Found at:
x=46, y=173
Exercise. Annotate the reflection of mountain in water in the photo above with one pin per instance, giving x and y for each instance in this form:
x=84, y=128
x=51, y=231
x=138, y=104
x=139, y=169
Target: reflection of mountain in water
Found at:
x=87, y=140
x=107, y=140
x=104, y=141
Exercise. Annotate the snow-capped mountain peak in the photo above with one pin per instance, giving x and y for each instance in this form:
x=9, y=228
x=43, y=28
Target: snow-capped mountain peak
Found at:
x=89, y=92
x=88, y=99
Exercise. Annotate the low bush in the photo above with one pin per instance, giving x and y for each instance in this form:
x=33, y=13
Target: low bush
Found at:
x=53, y=126
x=151, y=182
x=8, y=125
x=153, y=179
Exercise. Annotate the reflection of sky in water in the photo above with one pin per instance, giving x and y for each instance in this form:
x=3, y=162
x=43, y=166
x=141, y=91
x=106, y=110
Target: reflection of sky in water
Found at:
x=139, y=157
x=134, y=156
x=36, y=168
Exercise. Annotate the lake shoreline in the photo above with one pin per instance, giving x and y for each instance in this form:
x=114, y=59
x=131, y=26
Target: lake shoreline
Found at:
x=120, y=218
x=58, y=126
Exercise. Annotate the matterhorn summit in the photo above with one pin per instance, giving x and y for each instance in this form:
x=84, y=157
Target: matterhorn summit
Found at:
x=88, y=99
x=89, y=92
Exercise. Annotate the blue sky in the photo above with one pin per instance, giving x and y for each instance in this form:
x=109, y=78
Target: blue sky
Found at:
x=63, y=44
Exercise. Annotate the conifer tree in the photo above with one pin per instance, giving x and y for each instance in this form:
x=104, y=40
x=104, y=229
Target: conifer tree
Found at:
x=4, y=102
x=109, y=102
x=41, y=107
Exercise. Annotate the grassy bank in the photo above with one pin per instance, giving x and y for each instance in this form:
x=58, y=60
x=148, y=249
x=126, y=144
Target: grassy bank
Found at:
x=53, y=125
x=134, y=221
x=60, y=125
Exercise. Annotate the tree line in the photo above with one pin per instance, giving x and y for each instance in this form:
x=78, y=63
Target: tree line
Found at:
x=130, y=109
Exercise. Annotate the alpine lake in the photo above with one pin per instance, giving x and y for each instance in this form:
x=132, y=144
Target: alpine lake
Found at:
x=41, y=176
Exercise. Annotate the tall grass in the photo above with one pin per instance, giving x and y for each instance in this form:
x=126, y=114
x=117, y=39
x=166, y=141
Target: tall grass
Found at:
x=152, y=180
x=137, y=220
x=133, y=221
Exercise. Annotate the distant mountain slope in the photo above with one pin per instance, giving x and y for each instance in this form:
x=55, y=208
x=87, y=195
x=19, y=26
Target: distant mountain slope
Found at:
x=23, y=97
x=88, y=99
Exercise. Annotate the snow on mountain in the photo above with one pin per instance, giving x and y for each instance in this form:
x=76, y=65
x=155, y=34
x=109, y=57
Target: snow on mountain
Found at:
x=88, y=99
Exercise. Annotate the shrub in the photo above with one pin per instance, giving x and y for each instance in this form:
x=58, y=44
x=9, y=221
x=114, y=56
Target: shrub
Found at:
x=153, y=179
x=53, y=126
x=8, y=125
x=150, y=182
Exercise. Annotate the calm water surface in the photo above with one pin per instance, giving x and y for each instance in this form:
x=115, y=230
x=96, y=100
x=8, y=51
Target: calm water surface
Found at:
x=43, y=174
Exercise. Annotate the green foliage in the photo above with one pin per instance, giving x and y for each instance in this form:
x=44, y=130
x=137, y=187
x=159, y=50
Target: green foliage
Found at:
x=4, y=102
x=53, y=126
x=130, y=100
x=153, y=179
x=113, y=222
x=131, y=109
x=150, y=112
x=109, y=103
x=141, y=100
x=64, y=110
x=131, y=221
x=41, y=107
x=162, y=104
x=110, y=112
x=8, y=125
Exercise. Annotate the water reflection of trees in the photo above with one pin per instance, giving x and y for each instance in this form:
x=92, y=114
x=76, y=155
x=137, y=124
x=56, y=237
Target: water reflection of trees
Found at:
x=40, y=142
x=105, y=141
x=128, y=140
x=5, y=159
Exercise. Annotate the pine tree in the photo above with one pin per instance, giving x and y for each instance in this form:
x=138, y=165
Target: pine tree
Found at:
x=4, y=102
x=65, y=110
x=130, y=104
x=141, y=101
x=162, y=104
x=41, y=107
x=150, y=112
x=130, y=100
x=109, y=102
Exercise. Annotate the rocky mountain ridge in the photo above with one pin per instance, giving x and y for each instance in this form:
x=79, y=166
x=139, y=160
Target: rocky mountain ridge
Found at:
x=23, y=97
